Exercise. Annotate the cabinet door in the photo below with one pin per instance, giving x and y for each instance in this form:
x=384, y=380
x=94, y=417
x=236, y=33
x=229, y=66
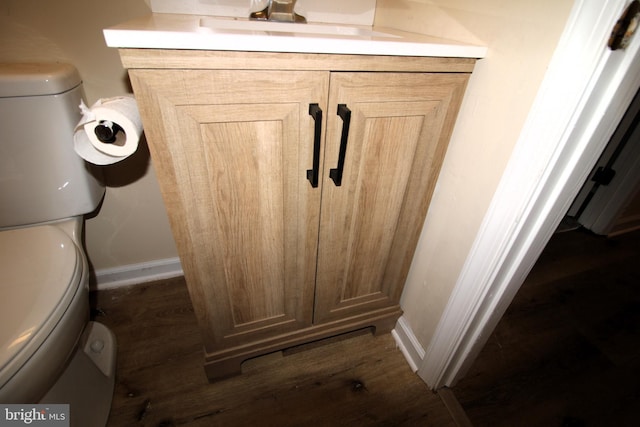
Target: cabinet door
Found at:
x=369, y=225
x=232, y=150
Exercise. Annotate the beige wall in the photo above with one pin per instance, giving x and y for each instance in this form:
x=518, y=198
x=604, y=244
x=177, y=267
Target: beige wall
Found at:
x=131, y=226
x=521, y=37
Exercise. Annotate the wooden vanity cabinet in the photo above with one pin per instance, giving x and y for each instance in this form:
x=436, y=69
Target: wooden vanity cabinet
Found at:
x=271, y=257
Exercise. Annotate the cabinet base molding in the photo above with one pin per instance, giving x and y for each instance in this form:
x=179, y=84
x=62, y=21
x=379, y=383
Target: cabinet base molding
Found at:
x=227, y=363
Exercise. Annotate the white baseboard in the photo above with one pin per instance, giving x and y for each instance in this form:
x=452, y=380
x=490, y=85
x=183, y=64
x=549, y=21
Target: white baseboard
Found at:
x=133, y=274
x=408, y=344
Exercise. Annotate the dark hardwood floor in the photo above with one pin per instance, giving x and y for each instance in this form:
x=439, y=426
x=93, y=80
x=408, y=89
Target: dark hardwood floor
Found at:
x=567, y=351
x=359, y=381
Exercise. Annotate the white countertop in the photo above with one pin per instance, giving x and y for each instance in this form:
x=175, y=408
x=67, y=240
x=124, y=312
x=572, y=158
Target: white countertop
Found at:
x=173, y=31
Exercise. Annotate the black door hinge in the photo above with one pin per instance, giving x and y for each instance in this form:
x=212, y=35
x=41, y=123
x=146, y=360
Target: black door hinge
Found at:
x=603, y=175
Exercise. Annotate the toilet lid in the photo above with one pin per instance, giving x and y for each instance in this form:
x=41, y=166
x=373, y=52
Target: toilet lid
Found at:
x=37, y=266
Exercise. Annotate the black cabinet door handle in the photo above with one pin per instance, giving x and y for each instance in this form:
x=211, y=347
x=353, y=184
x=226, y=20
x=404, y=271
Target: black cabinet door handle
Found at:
x=312, y=174
x=345, y=115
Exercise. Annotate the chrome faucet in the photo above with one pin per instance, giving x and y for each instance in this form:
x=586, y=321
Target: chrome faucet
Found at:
x=280, y=11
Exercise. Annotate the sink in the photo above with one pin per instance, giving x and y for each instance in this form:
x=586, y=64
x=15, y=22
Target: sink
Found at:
x=203, y=32
x=273, y=28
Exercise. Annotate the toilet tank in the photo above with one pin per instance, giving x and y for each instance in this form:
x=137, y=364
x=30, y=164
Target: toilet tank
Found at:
x=41, y=177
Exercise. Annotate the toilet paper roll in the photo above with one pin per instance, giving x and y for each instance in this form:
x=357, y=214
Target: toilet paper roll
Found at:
x=121, y=111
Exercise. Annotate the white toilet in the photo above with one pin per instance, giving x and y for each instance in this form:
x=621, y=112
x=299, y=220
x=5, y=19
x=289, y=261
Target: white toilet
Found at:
x=49, y=350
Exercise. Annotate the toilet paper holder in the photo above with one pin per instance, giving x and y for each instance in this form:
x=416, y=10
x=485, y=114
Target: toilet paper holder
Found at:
x=107, y=131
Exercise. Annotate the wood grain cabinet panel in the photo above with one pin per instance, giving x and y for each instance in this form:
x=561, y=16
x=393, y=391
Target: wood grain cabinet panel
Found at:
x=370, y=224
x=228, y=149
x=270, y=260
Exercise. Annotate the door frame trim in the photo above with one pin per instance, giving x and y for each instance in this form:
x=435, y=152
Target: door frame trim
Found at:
x=583, y=96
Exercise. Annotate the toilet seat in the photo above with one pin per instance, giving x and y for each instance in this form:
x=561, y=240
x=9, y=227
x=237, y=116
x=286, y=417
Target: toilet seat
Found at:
x=40, y=272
